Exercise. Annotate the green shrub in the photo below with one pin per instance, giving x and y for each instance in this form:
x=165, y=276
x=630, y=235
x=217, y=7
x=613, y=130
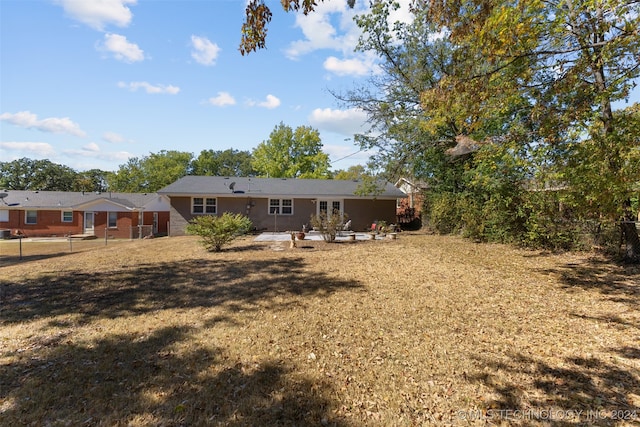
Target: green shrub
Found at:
x=216, y=231
x=443, y=213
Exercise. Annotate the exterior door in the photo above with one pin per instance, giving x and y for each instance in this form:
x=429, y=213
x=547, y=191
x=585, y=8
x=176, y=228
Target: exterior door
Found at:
x=88, y=223
x=330, y=207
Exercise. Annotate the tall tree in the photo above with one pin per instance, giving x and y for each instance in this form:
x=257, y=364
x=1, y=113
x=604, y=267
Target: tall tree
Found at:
x=522, y=83
x=291, y=154
x=92, y=180
x=571, y=58
x=151, y=173
x=229, y=162
x=351, y=173
x=43, y=175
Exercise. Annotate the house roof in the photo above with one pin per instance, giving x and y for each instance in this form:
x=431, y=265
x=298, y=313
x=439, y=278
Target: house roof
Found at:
x=415, y=185
x=20, y=199
x=273, y=187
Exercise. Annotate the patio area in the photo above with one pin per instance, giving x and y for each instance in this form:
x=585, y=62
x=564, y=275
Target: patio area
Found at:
x=271, y=236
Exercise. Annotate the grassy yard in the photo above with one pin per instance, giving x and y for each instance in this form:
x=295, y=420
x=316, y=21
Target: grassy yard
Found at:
x=424, y=330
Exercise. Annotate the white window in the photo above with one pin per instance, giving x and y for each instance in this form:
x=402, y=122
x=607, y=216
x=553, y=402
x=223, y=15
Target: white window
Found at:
x=31, y=217
x=4, y=215
x=112, y=219
x=67, y=216
x=280, y=207
x=201, y=205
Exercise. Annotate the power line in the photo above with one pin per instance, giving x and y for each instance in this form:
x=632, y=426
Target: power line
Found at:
x=342, y=158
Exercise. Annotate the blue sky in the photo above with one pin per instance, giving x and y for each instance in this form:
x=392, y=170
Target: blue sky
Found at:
x=91, y=83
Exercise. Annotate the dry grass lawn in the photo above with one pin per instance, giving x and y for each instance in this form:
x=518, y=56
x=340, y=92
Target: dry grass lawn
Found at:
x=424, y=330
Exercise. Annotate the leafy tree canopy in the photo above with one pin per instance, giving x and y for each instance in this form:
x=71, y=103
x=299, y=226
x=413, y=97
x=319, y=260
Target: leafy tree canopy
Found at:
x=223, y=163
x=354, y=172
x=487, y=99
x=151, y=173
x=43, y=175
x=291, y=154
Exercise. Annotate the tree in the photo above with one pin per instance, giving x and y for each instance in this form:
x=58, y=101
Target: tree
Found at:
x=354, y=172
x=92, y=180
x=524, y=81
x=151, y=173
x=217, y=231
x=42, y=175
x=572, y=60
x=291, y=154
x=223, y=163
x=258, y=15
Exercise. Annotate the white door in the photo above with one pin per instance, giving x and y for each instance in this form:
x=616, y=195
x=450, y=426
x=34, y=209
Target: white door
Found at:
x=330, y=207
x=88, y=223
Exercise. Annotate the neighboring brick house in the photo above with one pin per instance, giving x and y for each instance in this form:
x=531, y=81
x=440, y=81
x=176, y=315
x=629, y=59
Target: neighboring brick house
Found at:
x=277, y=204
x=411, y=207
x=61, y=213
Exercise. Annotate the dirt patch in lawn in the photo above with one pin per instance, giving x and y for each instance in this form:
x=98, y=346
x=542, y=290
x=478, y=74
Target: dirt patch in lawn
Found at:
x=416, y=331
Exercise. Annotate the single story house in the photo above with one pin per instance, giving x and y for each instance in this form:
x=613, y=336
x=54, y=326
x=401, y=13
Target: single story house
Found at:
x=60, y=213
x=277, y=204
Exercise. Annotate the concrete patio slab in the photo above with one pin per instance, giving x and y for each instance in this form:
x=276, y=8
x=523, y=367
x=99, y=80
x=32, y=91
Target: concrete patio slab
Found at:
x=271, y=236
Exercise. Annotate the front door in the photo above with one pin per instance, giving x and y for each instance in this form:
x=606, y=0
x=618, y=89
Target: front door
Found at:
x=88, y=223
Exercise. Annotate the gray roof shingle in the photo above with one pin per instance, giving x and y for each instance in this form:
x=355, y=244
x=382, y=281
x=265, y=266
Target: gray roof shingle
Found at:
x=272, y=187
x=20, y=199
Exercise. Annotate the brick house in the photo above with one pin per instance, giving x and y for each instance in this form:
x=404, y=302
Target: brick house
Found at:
x=410, y=208
x=61, y=213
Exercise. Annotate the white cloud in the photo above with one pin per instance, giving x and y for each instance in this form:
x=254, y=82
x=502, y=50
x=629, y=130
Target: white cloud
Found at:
x=321, y=32
x=92, y=146
x=39, y=149
x=28, y=120
x=99, y=13
x=149, y=88
x=270, y=102
x=223, y=98
x=121, y=49
x=402, y=14
x=204, y=52
x=344, y=122
x=113, y=137
x=93, y=152
x=351, y=67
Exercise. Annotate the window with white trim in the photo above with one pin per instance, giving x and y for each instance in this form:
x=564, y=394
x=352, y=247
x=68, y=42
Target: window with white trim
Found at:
x=4, y=215
x=280, y=206
x=112, y=219
x=31, y=217
x=203, y=205
x=67, y=216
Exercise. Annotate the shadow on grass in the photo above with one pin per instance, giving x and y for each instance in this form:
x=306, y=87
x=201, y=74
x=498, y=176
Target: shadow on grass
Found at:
x=129, y=379
x=579, y=391
x=7, y=260
x=234, y=285
x=619, y=283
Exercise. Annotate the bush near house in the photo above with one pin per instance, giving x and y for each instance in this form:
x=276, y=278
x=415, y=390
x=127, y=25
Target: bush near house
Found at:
x=216, y=231
x=328, y=225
